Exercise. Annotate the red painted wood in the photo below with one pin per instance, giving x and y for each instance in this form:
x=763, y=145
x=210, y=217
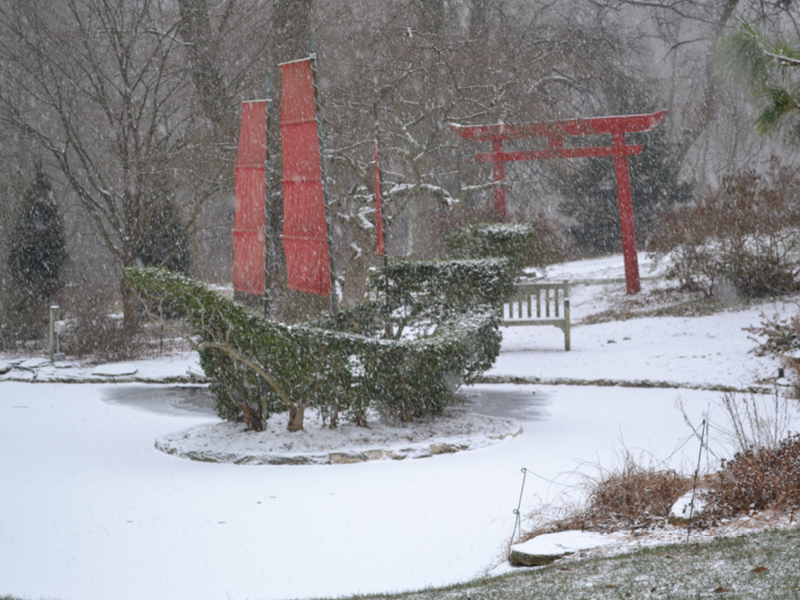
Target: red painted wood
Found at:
x=625, y=199
x=555, y=131
x=590, y=126
x=503, y=157
x=499, y=175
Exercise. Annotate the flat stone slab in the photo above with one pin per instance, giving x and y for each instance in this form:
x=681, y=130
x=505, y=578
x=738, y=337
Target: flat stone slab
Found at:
x=548, y=547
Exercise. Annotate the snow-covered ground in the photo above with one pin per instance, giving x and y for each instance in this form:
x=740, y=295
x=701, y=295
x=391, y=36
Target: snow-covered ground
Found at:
x=92, y=510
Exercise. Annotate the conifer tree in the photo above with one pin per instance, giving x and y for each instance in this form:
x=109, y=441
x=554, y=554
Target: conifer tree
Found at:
x=165, y=242
x=769, y=68
x=38, y=252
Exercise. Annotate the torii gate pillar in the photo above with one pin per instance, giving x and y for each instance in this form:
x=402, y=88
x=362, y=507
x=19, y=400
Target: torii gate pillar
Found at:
x=555, y=131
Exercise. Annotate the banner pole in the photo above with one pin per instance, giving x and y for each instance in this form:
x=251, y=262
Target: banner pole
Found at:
x=268, y=203
x=380, y=247
x=326, y=200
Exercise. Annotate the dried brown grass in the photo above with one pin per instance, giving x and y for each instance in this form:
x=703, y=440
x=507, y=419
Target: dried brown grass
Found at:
x=636, y=497
x=628, y=498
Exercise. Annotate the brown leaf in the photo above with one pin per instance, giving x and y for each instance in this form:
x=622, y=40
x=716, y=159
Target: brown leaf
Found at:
x=760, y=570
x=721, y=590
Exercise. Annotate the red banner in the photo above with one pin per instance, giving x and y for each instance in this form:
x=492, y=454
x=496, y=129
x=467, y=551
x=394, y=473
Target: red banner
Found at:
x=305, y=230
x=249, y=243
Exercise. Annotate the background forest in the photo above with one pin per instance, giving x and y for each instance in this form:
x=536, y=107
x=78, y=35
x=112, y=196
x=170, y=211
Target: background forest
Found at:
x=124, y=116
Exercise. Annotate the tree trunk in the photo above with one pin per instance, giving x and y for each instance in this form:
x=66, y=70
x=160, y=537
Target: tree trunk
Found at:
x=252, y=417
x=296, y=416
x=130, y=313
x=292, y=24
x=195, y=29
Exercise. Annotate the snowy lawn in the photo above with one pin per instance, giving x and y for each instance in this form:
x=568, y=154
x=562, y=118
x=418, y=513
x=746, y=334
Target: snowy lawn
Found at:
x=92, y=510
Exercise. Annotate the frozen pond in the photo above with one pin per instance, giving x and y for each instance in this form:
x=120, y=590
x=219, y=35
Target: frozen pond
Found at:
x=504, y=401
x=96, y=512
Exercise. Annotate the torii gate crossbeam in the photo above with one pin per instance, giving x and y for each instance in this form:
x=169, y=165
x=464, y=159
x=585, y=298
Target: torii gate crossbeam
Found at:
x=555, y=131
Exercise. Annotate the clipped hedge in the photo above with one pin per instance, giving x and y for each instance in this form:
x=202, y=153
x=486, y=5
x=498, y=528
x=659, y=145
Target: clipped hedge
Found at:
x=515, y=241
x=420, y=291
x=340, y=366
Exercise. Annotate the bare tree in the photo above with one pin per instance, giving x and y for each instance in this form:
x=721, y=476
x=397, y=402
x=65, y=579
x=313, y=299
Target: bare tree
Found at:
x=531, y=63
x=704, y=115
x=100, y=85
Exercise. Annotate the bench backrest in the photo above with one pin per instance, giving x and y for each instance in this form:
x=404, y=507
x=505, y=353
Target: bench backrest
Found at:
x=540, y=304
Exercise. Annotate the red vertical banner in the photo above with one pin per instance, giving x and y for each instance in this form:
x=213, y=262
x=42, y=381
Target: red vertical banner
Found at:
x=305, y=230
x=378, y=214
x=249, y=242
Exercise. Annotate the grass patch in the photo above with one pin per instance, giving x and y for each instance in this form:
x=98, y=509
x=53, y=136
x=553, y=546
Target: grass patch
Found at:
x=762, y=565
x=689, y=308
x=634, y=383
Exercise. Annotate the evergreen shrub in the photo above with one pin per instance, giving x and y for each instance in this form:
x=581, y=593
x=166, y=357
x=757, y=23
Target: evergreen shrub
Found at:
x=426, y=291
x=37, y=256
x=516, y=241
x=341, y=365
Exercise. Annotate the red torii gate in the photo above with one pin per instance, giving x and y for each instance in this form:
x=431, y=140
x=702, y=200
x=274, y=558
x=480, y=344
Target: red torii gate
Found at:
x=555, y=131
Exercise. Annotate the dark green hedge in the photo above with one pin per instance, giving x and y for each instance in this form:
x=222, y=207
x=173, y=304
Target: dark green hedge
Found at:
x=340, y=366
x=515, y=241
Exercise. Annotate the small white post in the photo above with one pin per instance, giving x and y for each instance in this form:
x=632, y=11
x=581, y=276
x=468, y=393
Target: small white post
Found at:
x=51, y=350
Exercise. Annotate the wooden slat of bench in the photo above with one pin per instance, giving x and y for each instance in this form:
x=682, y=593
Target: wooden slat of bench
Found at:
x=512, y=322
x=524, y=298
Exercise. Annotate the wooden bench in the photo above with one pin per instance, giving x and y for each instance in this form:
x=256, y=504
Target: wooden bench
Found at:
x=539, y=304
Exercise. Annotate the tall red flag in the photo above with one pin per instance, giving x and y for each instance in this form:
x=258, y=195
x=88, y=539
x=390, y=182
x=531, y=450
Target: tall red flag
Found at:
x=378, y=215
x=305, y=229
x=249, y=242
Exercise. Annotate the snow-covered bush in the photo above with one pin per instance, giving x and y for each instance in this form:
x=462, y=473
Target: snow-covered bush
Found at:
x=515, y=241
x=741, y=239
x=429, y=290
x=260, y=367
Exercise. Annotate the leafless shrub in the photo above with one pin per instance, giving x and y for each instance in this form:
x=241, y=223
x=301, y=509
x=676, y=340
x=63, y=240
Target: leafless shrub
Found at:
x=764, y=473
x=781, y=335
x=739, y=240
x=633, y=496
x=755, y=480
x=94, y=330
x=754, y=420
x=780, y=338
x=757, y=421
